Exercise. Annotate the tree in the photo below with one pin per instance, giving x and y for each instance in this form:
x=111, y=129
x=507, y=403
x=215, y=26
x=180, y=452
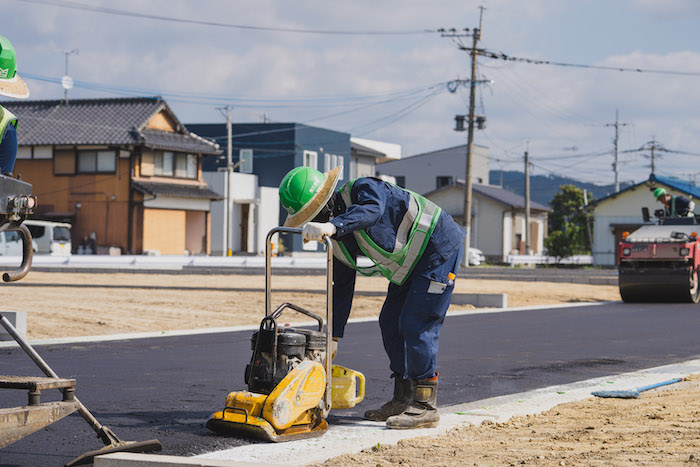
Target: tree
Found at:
x=568, y=224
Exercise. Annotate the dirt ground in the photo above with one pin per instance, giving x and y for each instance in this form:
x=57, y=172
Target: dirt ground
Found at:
x=71, y=304
x=659, y=428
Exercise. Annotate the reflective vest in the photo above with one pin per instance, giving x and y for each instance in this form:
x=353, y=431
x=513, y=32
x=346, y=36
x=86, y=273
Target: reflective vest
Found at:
x=6, y=117
x=412, y=237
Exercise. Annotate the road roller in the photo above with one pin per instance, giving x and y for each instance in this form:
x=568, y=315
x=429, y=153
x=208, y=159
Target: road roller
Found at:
x=659, y=262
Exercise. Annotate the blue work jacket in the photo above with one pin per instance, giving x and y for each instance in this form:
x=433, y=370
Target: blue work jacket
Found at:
x=378, y=208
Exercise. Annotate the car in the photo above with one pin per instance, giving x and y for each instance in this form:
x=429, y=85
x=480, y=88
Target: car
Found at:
x=11, y=243
x=476, y=257
x=52, y=238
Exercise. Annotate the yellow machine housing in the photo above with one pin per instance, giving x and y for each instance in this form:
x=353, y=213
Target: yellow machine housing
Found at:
x=290, y=411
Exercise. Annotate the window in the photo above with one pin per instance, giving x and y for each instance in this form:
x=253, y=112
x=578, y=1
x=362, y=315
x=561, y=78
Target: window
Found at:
x=97, y=161
x=37, y=231
x=61, y=234
x=64, y=162
x=167, y=164
x=327, y=162
x=443, y=181
x=191, y=166
x=174, y=164
x=181, y=165
x=12, y=236
x=310, y=159
x=245, y=156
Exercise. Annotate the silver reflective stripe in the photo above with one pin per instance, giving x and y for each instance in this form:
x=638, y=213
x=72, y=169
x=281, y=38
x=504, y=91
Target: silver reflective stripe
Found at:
x=340, y=255
x=406, y=225
x=416, y=245
x=374, y=255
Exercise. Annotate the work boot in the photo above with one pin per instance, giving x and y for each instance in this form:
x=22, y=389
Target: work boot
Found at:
x=402, y=397
x=422, y=411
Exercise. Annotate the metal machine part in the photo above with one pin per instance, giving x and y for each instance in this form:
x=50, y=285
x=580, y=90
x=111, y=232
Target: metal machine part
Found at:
x=660, y=262
x=16, y=203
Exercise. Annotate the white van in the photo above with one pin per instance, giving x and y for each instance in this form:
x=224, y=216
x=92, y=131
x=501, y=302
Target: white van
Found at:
x=52, y=238
x=11, y=243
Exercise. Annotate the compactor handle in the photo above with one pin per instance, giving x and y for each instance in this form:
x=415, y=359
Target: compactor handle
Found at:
x=27, y=254
x=329, y=301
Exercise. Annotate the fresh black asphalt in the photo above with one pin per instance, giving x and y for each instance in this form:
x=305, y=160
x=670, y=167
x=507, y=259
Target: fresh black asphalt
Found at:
x=166, y=387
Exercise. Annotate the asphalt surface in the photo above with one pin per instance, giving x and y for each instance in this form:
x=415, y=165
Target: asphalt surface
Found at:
x=167, y=387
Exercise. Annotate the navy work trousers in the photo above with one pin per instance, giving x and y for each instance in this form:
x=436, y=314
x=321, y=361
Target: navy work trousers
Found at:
x=412, y=316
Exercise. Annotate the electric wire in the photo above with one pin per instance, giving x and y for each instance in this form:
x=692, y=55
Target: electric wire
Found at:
x=134, y=14
x=503, y=56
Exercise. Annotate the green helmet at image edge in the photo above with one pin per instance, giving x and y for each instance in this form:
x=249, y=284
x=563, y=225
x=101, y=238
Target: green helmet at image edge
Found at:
x=8, y=59
x=299, y=187
x=659, y=192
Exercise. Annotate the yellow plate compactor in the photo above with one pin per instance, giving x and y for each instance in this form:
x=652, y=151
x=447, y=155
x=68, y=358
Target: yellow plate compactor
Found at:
x=291, y=384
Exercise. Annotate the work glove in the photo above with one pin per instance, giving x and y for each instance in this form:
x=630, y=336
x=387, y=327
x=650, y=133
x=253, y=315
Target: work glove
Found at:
x=334, y=348
x=315, y=231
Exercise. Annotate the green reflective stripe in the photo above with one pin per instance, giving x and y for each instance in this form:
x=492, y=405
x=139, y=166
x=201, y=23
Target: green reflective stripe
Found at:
x=6, y=117
x=418, y=243
x=340, y=252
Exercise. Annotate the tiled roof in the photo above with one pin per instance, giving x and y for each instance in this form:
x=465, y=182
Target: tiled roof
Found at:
x=496, y=193
x=178, y=190
x=115, y=121
x=671, y=182
x=177, y=142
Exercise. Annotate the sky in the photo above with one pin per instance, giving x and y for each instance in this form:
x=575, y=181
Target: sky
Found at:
x=380, y=70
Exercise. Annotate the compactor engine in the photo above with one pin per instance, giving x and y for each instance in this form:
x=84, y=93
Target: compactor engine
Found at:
x=273, y=359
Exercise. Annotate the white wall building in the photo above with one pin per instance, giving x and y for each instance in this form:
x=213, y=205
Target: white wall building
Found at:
x=498, y=219
x=622, y=212
x=254, y=212
x=426, y=172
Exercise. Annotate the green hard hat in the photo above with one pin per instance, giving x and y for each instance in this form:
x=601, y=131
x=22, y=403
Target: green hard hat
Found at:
x=299, y=187
x=659, y=192
x=10, y=83
x=304, y=191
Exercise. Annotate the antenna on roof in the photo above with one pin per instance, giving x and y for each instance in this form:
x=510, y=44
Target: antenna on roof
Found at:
x=67, y=81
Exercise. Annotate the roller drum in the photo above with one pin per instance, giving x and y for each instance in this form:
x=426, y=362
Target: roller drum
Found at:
x=659, y=284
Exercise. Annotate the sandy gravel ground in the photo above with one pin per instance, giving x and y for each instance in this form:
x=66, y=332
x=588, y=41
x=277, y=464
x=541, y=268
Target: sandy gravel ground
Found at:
x=69, y=304
x=661, y=428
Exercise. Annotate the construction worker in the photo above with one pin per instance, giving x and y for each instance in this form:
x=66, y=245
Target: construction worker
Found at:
x=11, y=85
x=674, y=206
x=411, y=242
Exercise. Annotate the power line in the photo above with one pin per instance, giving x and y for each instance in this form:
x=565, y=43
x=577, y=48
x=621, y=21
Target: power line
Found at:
x=253, y=102
x=503, y=56
x=134, y=14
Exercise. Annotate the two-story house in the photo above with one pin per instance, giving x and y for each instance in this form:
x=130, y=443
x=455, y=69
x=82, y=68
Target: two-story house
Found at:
x=123, y=171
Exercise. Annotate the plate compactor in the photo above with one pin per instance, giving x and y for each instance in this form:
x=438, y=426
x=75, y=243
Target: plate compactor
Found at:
x=291, y=383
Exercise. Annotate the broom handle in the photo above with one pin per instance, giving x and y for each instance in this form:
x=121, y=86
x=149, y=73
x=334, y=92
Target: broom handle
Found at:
x=663, y=383
x=29, y=350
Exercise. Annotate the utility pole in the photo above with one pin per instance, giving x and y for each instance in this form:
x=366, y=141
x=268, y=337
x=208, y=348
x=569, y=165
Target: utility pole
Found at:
x=527, y=203
x=475, y=35
x=616, y=164
x=228, y=199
